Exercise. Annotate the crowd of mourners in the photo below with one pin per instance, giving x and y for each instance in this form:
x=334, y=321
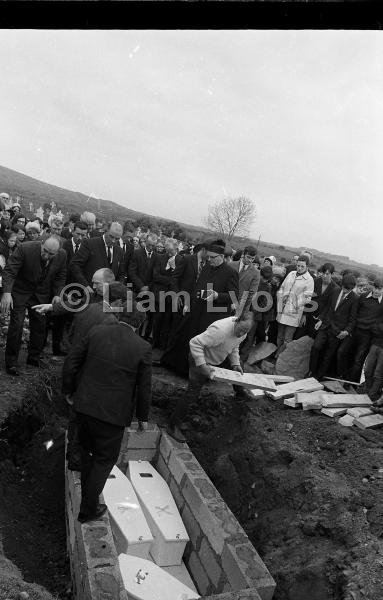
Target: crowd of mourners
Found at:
x=110, y=296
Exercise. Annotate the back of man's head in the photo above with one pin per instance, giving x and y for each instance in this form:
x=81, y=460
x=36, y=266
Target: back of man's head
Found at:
x=104, y=276
x=348, y=281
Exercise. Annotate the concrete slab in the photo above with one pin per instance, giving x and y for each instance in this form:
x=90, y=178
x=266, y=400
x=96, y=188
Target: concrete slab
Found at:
x=346, y=421
x=345, y=400
x=261, y=351
x=369, y=422
x=334, y=412
x=359, y=411
x=247, y=380
x=292, y=403
x=286, y=390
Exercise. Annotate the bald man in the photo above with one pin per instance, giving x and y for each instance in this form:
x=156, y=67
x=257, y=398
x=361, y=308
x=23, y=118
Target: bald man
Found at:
x=97, y=253
x=35, y=273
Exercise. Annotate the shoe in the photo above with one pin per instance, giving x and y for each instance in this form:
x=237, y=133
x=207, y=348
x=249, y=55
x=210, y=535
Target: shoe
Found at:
x=12, y=371
x=175, y=432
x=100, y=510
x=36, y=362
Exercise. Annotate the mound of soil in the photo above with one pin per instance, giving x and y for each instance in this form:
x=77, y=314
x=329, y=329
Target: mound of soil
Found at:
x=307, y=491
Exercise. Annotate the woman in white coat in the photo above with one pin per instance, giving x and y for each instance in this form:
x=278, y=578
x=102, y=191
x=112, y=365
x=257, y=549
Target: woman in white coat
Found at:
x=294, y=293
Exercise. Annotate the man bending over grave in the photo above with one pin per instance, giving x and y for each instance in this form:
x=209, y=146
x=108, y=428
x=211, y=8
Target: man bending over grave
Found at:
x=218, y=345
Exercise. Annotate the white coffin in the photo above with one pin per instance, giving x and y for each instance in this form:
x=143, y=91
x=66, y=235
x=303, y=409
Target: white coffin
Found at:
x=161, y=512
x=181, y=573
x=144, y=580
x=130, y=528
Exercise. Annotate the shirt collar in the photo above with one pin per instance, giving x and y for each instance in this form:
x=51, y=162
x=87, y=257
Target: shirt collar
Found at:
x=303, y=275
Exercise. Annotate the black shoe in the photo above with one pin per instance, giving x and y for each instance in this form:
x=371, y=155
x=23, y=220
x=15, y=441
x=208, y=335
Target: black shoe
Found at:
x=12, y=371
x=175, y=432
x=36, y=362
x=100, y=510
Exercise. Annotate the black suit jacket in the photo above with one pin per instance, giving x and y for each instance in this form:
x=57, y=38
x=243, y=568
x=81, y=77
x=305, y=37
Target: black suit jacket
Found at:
x=25, y=277
x=91, y=257
x=141, y=269
x=115, y=365
x=127, y=252
x=184, y=276
x=344, y=317
x=162, y=278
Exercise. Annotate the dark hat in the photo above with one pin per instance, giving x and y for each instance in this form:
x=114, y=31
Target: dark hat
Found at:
x=198, y=245
x=217, y=246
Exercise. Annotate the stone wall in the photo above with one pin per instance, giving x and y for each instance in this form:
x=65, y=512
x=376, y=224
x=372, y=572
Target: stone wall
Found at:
x=220, y=558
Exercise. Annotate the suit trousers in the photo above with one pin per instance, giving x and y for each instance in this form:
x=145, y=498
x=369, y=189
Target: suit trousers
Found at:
x=100, y=444
x=323, y=352
x=352, y=354
x=374, y=372
x=37, y=325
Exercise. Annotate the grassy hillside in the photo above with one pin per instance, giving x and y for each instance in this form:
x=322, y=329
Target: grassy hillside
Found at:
x=38, y=192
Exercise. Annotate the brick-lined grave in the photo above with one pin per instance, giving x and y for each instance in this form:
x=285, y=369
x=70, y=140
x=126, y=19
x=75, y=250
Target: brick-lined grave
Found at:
x=222, y=562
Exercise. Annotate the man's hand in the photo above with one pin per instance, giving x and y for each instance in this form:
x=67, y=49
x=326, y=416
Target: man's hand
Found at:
x=142, y=426
x=302, y=321
x=211, y=295
x=237, y=368
x=317, y=325
x=43, y=309
x=206, y=371
x=89, y=289
x=185, y=310
x=342, y=335
x=6, y=302
x=56, y=300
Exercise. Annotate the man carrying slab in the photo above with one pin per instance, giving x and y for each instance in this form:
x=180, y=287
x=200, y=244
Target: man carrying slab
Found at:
x=218, y=345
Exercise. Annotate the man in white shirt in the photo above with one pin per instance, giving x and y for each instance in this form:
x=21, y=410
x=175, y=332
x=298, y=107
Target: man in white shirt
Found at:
x=218, y=344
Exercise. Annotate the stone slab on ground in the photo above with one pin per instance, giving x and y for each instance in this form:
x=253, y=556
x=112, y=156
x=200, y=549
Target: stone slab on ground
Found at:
x=369, y=422
x=346, y=421
x=309, y=401
x=287, y=390
x=294, y=360
x=345, y=400
x=334, y=412
x=333, y=386
x=292, y=403
x=359, y=411
x=261, y=351
x=257, y=394
x=247, y=380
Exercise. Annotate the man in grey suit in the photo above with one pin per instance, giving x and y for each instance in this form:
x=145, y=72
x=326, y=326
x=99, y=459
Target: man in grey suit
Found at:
x=248, y=276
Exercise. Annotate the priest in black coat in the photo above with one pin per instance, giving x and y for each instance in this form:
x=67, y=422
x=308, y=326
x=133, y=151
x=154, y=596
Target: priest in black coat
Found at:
x=216, y=290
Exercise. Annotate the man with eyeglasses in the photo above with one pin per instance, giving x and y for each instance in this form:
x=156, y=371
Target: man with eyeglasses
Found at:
x=98, y=253
x=35, y=273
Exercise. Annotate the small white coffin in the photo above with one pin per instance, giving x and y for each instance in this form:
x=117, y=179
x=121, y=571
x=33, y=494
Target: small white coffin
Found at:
x=144, y=580
x=161, y=512
x=181, y=573
x=130, y=528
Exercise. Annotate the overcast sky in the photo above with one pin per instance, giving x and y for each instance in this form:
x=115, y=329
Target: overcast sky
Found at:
x=167, y=122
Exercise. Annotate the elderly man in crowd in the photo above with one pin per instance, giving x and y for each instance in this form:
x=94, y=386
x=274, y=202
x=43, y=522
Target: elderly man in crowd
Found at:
x=97, y=253
x=106, y=376
x=140, y=274
x=295, y=291
x=218, y=345
x=35, y=273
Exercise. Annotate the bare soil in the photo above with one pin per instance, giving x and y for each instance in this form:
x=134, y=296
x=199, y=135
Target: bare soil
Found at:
x=307, y=491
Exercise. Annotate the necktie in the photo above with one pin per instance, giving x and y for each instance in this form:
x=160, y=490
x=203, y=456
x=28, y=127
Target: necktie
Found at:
x=109, y=254
x=340, y=298
x=77, y=246
x=200, y=267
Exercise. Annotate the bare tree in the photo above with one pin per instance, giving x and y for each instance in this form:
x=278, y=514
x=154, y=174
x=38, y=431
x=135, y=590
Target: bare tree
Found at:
x=231, y=216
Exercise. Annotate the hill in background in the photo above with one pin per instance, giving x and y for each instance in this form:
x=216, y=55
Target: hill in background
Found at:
x=38, y=193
